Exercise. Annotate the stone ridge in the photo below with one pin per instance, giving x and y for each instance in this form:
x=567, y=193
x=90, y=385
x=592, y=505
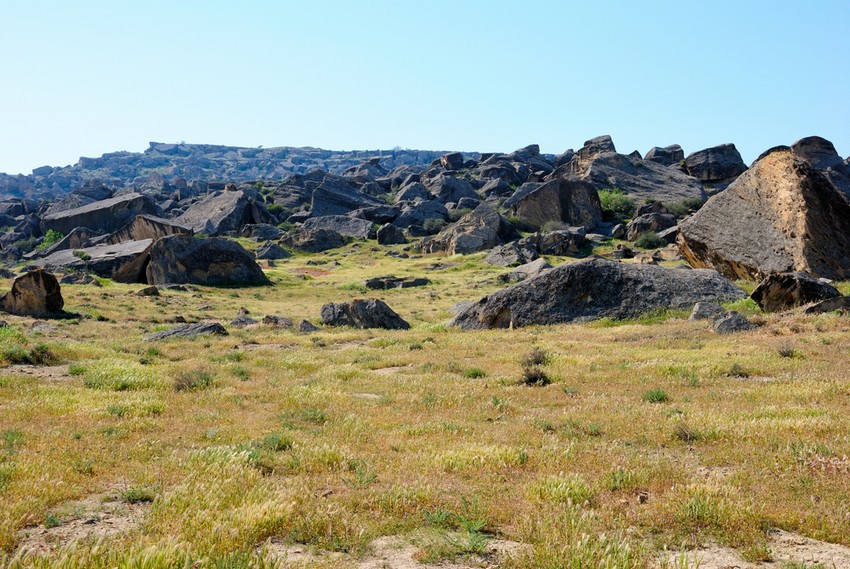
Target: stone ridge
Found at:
x=203, y=162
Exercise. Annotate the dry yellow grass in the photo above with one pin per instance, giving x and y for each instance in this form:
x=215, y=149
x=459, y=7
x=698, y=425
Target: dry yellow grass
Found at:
x=335, y=438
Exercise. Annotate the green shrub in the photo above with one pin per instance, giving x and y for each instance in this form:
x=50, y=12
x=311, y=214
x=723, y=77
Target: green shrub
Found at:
x=616, y=204
x=474, y=373
x=456, y=214
x=193, y=380
x=50, y=238
x=649, y=240
x=656, y=395
x=434, y=225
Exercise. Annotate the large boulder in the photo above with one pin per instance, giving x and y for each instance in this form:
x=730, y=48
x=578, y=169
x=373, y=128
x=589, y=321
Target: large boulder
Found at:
x=102, y=216
x=668, y=156
x=717, y=164
x=782, y=215
x=389, y=234
x=420, y=212
x=342, y=224
x=123, y=262
x=337, y=198
x=512, y=254
x=593, y=289
x=649, y=222
x=147, y=227
x=36, y=293
x=566, y=201
x=363, y=313
x=479, y=230
x=782, y=291
x=216, y=261
x=315, y=240
x=448, y=189
x=191, y=330
x=228, y=211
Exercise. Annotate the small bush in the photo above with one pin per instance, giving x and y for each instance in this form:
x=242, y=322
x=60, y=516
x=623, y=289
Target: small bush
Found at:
x=193, y=380
x=39, y=355
x=434, y=225
x=616, y=205
x=649, y=240
x=535, y=376
x=536, y=357
x=139, y=494
x=521, y=225
x=277, y=442
x=656, y=395
x=474, y=373
x=81, y=255
x=456, y=214
x=50, y=238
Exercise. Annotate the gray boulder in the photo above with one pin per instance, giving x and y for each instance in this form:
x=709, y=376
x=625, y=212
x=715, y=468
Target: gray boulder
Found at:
x=307, y=327
x=706, y=311
x=668, y=156
x=215, y=261
x=36, y=293
x=717, y=164
x=526, y=271
x=103, y=216
x=478, y=230
x=782, y=291
x=262, y=232
x=229, y=211
x=567, y=201
x=339, y=199
x=122, y=262
x=315, y=240
x=782, y=215
x=189, y=331
x=391, y=282
x=732, y=322
x=448, y=189
x=147, y=227
x=342, y=224
x=420, y=212
x=511, y=254
x=592, y=289
x=363, y=313
x=650, y=222
x=272, y=251
x=563, y=242
x=412, y=192
x=389, y=234
x=452, y=161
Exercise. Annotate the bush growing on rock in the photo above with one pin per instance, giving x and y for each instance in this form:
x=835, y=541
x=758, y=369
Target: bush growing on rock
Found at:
x=616, y=204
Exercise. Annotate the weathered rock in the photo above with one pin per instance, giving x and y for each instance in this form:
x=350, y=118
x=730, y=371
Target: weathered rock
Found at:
x=452, y=161
x=122, y=262
x=670, y=235
x=389, y=282
x=75, y=239
x=79, y=278
x=103, y=216
x=478, y=230
x=334, y=198
x=592, y=289
x=315, y=241
x=526, y=271
x=448, y=189
x=307, y=327
x=216, y=261
x=363, y=313
x=420, y=212
x=262, y=232
x=819, y=152
x=650, y=222
x=841, y=304
x=413, y=192
x=716, y=164
x=189, y=331
x=389, y=234
x=148, y=291
x=228, y=211
x=272, y=251
x=511, y=254
x=147, y=227
x=562, y=242
x=277, y=321
x=706, y=311
x=567, y=201
x=782, y=215
x=36, y=293
x=342, y=224
x=243, y=321
x=782, y=291
x=732, y=322
x=668, y=156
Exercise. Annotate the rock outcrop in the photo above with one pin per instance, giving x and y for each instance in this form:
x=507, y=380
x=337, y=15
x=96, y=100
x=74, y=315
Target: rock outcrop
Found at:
x=102, y=216
x=479, y=230
x=783, y=291
x=716, y=165
x=592, y=289
x=573, y=202
x=147, y=227
x=363, y=313
x=189, y=331
x=229, y=211
x=216, y=261
x=36, y=293
x=122, y=262
x=782, y=215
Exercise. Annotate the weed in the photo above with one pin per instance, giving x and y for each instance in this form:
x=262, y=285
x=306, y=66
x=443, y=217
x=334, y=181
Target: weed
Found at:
x=534, y=376
x=474, y=373
x=620, y=479
x=656, y=395
x=536, y=357
x=193, y=380
x=649, y=240
x=139, y=494
x=277, y=442
x=737, y=370
x=363, y=475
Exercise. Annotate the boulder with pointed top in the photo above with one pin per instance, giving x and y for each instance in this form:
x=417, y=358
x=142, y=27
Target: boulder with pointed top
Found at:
x=36, y=293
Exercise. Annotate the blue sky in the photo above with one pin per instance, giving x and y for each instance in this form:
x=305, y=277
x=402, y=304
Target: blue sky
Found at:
x=84, y=78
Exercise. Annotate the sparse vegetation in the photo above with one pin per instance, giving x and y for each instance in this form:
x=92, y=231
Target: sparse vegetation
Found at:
x=616, y=205
x=649, y=240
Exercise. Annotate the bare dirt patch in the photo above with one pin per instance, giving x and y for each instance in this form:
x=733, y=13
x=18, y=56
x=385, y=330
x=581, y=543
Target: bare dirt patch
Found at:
x=785, y=548
x=54, y=374
x=96, y=517
x=392, y=370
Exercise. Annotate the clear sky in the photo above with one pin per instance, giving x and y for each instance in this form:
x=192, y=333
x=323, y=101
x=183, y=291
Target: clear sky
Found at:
x=87, y=77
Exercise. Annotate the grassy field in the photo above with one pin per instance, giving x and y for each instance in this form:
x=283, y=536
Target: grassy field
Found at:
x=638, y=436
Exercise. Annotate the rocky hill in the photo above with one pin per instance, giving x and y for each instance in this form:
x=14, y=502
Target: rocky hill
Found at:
x=198, y=161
